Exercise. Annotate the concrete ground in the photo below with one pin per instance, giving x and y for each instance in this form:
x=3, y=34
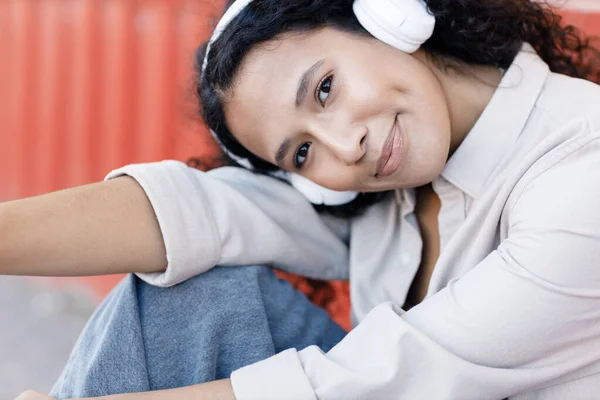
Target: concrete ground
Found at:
x=39, y=323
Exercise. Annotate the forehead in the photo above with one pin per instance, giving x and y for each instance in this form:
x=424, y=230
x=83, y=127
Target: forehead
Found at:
x=268, y=73
x=278, y=58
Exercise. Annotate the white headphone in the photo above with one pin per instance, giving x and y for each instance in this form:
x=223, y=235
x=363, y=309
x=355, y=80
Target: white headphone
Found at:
x=403, y=24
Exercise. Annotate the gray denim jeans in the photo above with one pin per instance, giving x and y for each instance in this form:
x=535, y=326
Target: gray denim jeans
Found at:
x=145, y=338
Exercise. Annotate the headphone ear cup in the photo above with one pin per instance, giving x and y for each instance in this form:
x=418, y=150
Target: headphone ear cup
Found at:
x=403, y=24
x=319, y=195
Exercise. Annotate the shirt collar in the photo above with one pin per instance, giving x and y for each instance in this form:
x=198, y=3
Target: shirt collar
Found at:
x=500, y=124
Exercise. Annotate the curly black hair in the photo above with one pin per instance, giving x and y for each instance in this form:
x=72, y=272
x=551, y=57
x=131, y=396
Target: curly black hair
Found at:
x=480, y=32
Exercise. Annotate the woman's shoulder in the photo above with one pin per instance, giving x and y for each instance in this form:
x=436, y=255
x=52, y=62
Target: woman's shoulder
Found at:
x=554, y=166
x=566, y=99
x=561, y=175
x=565, y=124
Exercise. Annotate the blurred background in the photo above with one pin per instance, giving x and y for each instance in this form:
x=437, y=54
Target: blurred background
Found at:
x=87, y=86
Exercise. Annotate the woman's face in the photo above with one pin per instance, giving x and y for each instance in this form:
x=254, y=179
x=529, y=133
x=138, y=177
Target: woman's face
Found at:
x=347, y=112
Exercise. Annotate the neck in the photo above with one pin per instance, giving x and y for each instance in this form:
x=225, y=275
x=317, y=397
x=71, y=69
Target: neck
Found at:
x=468, y=90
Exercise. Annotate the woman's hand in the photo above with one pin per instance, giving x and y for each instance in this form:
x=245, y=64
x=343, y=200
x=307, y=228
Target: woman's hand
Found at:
x=33, y=395
x=217, y=390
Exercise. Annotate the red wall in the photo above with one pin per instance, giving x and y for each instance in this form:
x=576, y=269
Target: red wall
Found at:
x=90, y=85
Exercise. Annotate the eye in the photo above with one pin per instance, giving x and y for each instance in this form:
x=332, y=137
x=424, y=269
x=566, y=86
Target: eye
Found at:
x=324, y=89
x=301, y=155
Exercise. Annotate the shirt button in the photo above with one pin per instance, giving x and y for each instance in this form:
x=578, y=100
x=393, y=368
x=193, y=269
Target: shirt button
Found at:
x=405, y=259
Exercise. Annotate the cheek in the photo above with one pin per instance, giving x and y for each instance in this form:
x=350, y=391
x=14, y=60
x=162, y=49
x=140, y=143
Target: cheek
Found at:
x=431, y=110
x=429, y=130
x=368, y=86
x=333, y=175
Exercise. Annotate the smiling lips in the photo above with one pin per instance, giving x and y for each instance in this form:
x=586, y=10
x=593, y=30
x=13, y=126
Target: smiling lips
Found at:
x=391, y=153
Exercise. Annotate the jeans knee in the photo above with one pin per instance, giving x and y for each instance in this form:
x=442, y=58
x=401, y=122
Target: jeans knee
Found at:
x=221, y=292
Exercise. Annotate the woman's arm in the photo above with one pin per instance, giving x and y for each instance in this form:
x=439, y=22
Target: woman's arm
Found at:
x=171, y=222
x=218, y=390
x=102, y=228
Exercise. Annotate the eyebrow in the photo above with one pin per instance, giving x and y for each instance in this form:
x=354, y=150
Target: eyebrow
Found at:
x=282, y=152
x=305, y=82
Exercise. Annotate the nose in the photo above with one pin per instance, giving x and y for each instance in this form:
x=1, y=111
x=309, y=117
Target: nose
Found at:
x=346, y=141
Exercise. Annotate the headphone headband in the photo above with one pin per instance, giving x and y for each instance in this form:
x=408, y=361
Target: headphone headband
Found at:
x=229, y=15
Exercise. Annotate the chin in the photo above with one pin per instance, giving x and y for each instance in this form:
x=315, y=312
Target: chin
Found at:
x=421, y=180
x=428, y=173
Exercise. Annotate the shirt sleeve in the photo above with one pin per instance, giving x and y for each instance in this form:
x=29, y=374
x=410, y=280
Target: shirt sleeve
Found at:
x=231, y=216
x=527, y=317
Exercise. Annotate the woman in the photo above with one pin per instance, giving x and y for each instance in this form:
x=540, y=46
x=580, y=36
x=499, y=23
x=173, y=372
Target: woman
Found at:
x=472, y=247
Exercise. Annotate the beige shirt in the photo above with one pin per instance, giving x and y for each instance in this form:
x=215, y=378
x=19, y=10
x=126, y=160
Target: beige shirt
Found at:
x=513, y=305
